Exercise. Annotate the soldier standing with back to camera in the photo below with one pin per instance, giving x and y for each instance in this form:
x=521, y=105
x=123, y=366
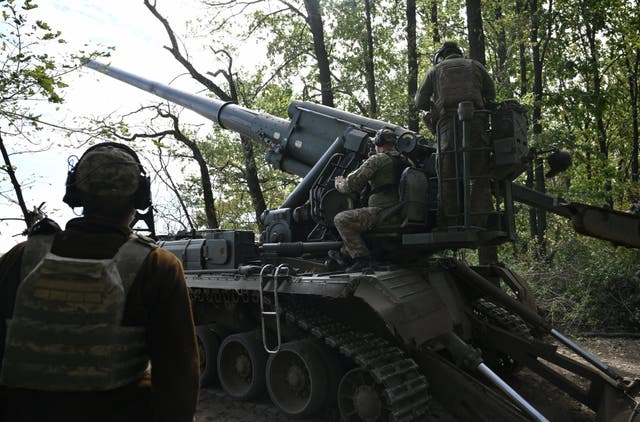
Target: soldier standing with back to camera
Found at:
x=382, y=172
x=451, y=80
x=88, y=308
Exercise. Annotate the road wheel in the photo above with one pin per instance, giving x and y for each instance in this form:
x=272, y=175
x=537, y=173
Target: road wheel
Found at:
x=241, y=366
x=359, y=398
x=297, y=379
x=208, y=345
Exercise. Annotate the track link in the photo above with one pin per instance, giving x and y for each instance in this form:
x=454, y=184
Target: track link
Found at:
x=403, y=387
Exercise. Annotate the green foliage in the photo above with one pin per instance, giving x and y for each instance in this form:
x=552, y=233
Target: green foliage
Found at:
x=586, y=285
x=28, y=72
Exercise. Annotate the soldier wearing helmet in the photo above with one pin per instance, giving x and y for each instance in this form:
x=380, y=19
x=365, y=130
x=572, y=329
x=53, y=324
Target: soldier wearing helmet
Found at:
x=90, y=308
x=454, y=79
x=381, y=172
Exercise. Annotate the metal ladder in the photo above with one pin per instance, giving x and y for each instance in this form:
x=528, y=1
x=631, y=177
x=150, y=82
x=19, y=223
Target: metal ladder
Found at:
x=275, y=275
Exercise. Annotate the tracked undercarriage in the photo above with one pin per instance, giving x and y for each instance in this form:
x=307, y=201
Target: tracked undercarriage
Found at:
x=354, y=347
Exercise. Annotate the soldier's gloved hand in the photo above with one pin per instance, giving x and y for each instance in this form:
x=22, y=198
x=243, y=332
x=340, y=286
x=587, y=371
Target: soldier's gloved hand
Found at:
x=339, y=180
x=427, y=118
x=491, y=104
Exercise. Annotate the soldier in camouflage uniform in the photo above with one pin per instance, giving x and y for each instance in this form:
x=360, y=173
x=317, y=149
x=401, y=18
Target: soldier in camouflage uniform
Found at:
x=451, y=80
x=381, y=172
x=88, y=309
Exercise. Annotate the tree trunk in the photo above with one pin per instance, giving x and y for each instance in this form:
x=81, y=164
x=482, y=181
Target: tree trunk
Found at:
x=502, y=76
x=537, y=63
x=598, y=102
x=207, y=188
x=524, y=89
x=16, y=185
x=368, y=64
x=476, y=33
x=632, y=69
x=205, y=178
x=314, y=20
x=253, y=182
x=486, y=254
x=433, y=18
x=412, y=65
x=251, y=169
x=522, y=55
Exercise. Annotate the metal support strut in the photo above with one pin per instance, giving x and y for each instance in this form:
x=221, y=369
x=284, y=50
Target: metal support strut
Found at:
x=471, y=359
x=465, y=114
x=268, y=274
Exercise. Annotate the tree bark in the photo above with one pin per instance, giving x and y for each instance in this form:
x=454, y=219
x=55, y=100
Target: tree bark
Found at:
x=632, y=69
x=522, y=55
x=314, y=19
x=205, y=178
x=16, y=185
x=253, y=182
x=368, y=63
x=412, y=65
x=433, y=18
x=475, y=30
x=486, y=254
x=537, y=63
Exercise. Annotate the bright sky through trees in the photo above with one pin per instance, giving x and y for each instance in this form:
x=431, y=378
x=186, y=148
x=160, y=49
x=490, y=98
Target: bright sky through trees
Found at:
x=138, y=39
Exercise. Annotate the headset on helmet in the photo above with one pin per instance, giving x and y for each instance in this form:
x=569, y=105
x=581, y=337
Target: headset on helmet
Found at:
x=384, y=136
x=448, y=48
x=142, y=195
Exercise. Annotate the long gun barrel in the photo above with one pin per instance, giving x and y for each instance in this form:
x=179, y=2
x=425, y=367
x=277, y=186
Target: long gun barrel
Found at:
x=295, y=145
x=305, y=143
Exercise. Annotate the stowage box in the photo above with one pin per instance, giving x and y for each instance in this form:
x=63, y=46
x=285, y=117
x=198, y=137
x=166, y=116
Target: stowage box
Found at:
x=219, y=249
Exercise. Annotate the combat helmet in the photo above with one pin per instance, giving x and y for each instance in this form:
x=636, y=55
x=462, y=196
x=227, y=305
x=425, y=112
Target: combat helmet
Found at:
x=384, y=136
x=447, y=49
x=108, y=172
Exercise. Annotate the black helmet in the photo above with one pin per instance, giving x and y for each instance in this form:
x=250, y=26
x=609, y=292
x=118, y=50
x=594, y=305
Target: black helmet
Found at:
x=447, y=49
x=384, y=136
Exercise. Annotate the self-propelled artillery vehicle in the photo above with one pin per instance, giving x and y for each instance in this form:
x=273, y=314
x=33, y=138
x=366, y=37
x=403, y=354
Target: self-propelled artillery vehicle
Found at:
x=416, y=336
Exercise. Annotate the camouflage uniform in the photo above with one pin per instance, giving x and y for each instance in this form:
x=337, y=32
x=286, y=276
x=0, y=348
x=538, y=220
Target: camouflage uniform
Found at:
x=451, y=81
x=379, y=171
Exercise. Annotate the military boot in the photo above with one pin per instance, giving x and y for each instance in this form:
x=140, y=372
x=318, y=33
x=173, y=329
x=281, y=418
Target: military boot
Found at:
x=342, y=260
x=360, y=264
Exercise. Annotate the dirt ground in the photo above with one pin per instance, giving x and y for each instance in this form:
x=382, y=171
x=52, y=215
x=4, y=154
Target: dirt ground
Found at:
x=623, y=354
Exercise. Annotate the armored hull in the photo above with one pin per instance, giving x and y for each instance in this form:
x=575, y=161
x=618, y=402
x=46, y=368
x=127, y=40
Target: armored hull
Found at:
x=388, y=344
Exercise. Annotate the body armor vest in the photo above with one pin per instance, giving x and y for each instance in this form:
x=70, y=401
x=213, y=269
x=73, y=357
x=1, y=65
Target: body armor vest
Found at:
x=66, y=333
x=457, y=80
x=384, y=185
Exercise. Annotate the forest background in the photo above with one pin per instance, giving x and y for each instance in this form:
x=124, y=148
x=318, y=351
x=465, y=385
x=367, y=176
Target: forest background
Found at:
x=575, y=64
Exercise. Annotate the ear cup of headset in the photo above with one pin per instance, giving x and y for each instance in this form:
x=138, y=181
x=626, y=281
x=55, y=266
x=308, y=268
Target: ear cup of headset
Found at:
x=142, y=198
x=377, y=139
x=71, y=195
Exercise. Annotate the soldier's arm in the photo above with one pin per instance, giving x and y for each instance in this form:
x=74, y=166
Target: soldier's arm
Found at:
x=171, y=338
x=357, y=179
x=488, y=87
x=425, y=91
x=9, y=280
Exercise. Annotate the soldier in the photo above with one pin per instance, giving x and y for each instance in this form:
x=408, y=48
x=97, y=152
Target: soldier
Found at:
x=89, y=308
x=451, y=80
x=382, y=172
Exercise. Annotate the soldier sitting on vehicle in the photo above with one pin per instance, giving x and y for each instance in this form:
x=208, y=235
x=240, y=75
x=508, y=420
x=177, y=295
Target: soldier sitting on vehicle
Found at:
x=382, y=172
